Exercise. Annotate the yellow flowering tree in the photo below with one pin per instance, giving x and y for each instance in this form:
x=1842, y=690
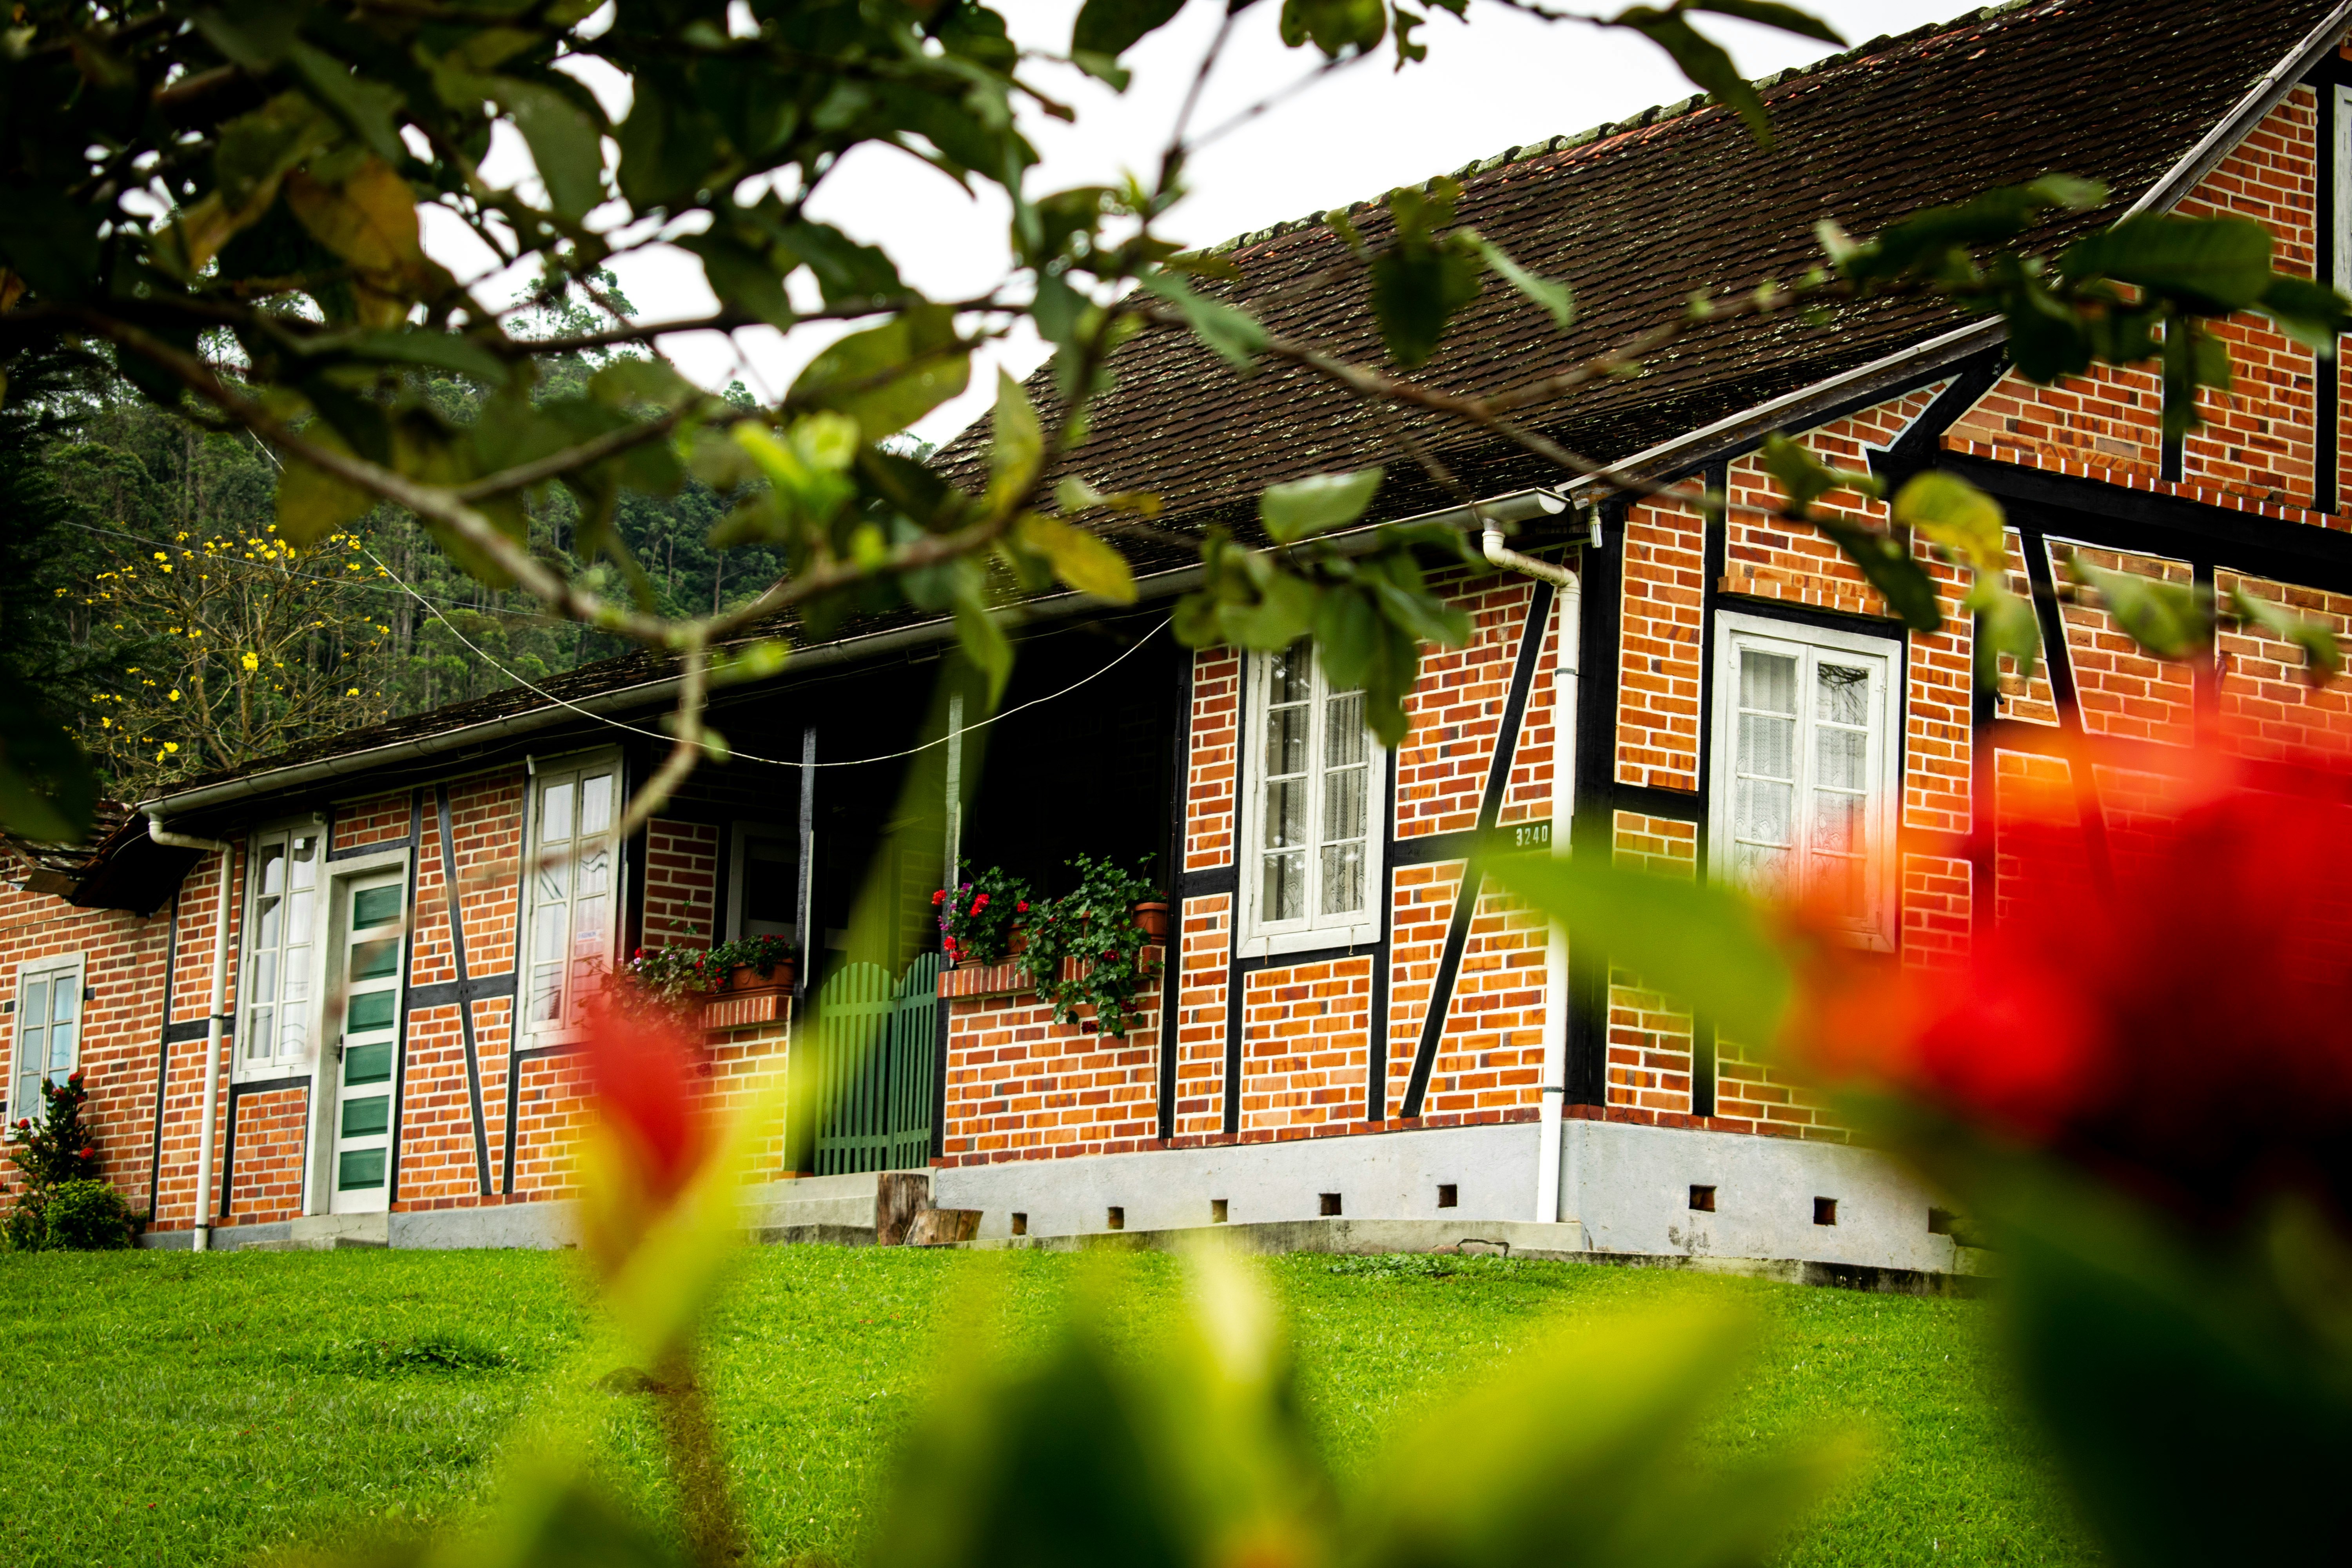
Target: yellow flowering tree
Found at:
x=233, y=646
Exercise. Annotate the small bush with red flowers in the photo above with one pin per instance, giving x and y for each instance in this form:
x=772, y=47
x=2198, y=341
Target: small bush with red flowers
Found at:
x=669, y=974
x=65, y=1204
x=1093, y=923
x=977, y=918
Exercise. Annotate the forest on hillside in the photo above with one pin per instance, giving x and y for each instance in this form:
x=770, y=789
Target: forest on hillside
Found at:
x=147, y=604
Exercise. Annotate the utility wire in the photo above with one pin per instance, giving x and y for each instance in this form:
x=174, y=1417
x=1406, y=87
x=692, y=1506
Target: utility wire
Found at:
x=747, y=756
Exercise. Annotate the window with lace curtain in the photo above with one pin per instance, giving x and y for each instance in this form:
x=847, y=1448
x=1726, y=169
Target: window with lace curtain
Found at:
x=1313, y=809
x=1807, y=764
x=574, y=889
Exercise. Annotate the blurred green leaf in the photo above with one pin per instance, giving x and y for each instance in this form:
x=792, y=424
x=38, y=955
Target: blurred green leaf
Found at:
x=2215, y=264
x=1335, y=26
x=1418, y=288
x=2005, y=625
x=1695, y=941
x=2312, y=313
x=1080, y=559
x=1892, y=569
x=886, y=377
x=1699, y=58
x=1556, y=299
x=1234, y=335
x=984, y=643
x=1771, y=14
x=564, y=142
x=2171, y=620
x=1299, y=508
x=2323, y=658
x=1112, y=27
x=1805, y=478
x=1018, y=447
x=1956, y=515
x=47, y=793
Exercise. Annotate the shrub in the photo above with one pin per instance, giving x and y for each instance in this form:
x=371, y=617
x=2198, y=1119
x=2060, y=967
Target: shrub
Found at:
x=1093, y=923
x=977, y=918
x=88, y=1215
x=64, y=1205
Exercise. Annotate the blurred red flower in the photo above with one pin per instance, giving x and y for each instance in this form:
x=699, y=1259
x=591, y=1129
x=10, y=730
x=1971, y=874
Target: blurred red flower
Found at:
x=640, y=1065
x=2182, y=1020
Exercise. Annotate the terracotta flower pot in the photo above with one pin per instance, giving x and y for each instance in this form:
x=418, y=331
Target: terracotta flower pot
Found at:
x=1153, y=918
x=743, y=977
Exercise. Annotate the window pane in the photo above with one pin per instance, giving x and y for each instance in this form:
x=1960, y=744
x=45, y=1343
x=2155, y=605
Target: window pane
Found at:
x=596, y=804
x=555, y=813
x=546, y=993
x=306, y=863
x=1343, y=729
x=1761, y=869
x=553, y=880
x=61, y=1043
x=1343, y=803
x=1768, y=746
x=360, y=1168
x=298, y=916
x=265, y=977
x=1762, y=812
x=588, y=930
x=1841, y=758
x=64, y=999
x=1286, y=813
x=771, y=886
x=1343, y=878
x=1841, y=694
x=1286, y=741
x=1290, y=673
x=32, y=1030
x=293, y=1035
x=258, y=1034
x=265, y=932
x=1284, y=894
x=376, y=905
x=270, y=871
x=1837, y=823
x=1768, y=682
x=594, y=869
x=547, y=939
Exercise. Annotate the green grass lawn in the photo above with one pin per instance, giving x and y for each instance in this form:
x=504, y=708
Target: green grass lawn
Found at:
x=163, y=1408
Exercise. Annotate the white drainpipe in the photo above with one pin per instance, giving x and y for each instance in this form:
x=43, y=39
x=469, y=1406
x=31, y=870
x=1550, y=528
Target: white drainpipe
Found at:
x=204, y=1232
x=1563, y=799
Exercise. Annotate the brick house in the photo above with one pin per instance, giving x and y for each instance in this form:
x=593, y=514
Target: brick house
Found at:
x=1370, y=1029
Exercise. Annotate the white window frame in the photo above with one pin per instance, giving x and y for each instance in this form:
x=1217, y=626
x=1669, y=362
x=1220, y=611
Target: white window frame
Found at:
x=1877, y=928
x=56, y=964
x=280, y=1062
x=739, y=856
x=1260, y=936
x=544, y=776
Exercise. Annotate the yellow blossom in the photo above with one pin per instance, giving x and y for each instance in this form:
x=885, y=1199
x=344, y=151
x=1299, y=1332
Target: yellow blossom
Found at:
x=252, y=661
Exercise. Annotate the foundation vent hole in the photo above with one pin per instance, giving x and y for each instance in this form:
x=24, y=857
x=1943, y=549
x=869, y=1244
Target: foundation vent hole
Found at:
x=1330, y=1203
x=1449, y=1196
x=1825, y=1211
x=1216, y=1211
x=1116, y=1219
x=1019, y=1224
x=1701, y=1199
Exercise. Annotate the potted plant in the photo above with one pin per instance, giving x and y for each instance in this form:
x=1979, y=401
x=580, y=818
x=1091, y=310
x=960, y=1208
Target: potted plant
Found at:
x=752, y=963
x=1096, y=925
x=978, y=918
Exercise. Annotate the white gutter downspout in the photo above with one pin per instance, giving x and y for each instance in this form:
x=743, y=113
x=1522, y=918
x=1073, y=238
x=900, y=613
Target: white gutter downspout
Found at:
x=156, y=830
x=1549, y=1148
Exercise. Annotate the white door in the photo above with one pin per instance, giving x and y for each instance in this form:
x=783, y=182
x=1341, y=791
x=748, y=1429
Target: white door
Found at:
x=360, y=1169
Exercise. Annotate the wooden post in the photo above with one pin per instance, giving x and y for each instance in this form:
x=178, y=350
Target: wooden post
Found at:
x=898, y=1197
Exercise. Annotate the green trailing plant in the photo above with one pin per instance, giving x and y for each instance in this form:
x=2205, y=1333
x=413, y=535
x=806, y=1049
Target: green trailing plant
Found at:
x=65, y=1204
x=671, y=974
x=1094, y=925
x=764, y=953
x=977, y=918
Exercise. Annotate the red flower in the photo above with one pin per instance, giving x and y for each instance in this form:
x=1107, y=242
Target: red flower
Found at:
x=90, y=1153
x=1022, y=907
x=2181, y=1018
x=940, y=897
x=75, y=1076
x=980, y=903
x=640, y=1068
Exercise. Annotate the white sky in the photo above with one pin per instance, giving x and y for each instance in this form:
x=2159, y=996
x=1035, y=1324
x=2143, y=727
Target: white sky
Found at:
x=1503, y=79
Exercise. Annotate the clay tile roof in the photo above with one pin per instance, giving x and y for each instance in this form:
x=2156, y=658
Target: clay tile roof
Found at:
x=1639, y=214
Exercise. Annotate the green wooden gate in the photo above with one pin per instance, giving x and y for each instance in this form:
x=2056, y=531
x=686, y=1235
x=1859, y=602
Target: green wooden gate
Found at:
x=877, y=1052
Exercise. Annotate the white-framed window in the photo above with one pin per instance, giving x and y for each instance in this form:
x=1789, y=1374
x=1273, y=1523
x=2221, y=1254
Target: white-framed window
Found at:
x=572, y=881
x=1808, y=767
x=48, y=1033
x=764, y=882
x=281, y=917
x=1313, y=809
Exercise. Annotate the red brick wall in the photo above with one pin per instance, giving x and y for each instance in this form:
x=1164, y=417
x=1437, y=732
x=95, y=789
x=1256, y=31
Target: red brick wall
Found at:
x=682, y=883
x=1022, y=1086
x=1307, y=1031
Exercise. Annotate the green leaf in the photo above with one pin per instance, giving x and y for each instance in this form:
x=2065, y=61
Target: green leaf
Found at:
x=2311, y=314
x=1080, y=558
x=564, y=142
x=2005, y=625
x=1805, y=478
x=47, y=793
x=1956, y=515
x=313, y=504
x=1771, y=14
x=1556, y=299
x=1298, y=507
x=1416, y=291
x=743, y=276
x=845, y=269
x=1234, y=335
x=2215, y=264
x=1283, y=613
x=984, y=643
x=1335, y=26
x=1699, y=942
x=365, y=107
x=452, y=351
x=1017, y=445
x=1112, y=27
x=1892, y=569
x=631, y=380
x=2168, y=619
x=2322, y=659
x=1702, y=61
x=886, y=377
